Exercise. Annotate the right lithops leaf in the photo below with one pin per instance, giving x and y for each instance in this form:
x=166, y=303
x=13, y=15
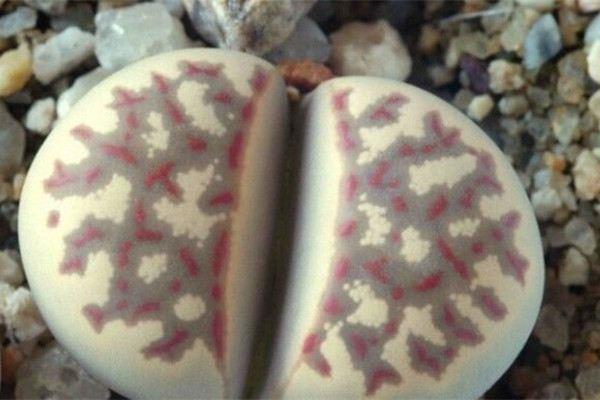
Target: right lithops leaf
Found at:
x=418, y=269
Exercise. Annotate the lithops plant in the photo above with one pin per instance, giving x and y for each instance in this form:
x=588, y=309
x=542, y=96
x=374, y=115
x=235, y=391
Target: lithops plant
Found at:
x=145, y=218
x=417, y=270
x=146, y=222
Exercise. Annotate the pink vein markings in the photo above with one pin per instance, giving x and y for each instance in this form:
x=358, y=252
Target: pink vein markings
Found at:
x=193, y=270
x=447, y=269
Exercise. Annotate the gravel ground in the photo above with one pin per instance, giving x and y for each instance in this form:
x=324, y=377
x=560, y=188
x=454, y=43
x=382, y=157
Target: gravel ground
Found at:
x=527, y=71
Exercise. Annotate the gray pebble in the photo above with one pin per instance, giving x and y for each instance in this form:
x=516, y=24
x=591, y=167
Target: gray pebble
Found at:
x=256, y=26
x=20, y=19
x=559, y=390
x=581, y=235
x=12, y=142
x=52, y=7
x=542, y=42
x=175, y=7
x=43, y=376
x=592, y=32
x=125, y=35
x=61, y=54
x=575, y=269
x=306, y=42
x=588, y=383
x=552, y=328
x=78, y=14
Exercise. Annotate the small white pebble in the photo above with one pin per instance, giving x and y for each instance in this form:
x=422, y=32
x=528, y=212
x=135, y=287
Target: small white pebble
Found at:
x=594, y=104
x=593, y=60
x=10, y=270
x=21, y=315
x=513, y=105
x=592, y=32
x=440, y=75
x=373, y=49
x=546, y=202
x=586, y=173
x=41, y=115
x=565, y=121
x=589, y=5
x=575, y=269
x=505, y=76
x=480, y=107
x=540, y=5
x=580, y=233
x=514, y=33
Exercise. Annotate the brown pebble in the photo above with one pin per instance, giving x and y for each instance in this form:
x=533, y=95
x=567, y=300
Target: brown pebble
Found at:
x=588, y=359
x=543, y=362
x=473, y=6
x=523, y=380
x=12, y=357
x=429, y=39
x=305, y=75
x=555, y=162
x=4, y=43
x=570, y=362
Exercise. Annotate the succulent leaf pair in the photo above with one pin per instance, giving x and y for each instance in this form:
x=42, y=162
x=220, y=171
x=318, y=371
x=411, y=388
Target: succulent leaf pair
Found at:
x=148, y=219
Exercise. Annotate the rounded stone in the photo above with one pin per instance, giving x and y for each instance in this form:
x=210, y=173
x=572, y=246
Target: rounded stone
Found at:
x=593, y=61
x=256, y=27
x=15, y=69
x=12, y=143
x=417, y=269
x=372, y=49
x=125, y=35
x=145, y=217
